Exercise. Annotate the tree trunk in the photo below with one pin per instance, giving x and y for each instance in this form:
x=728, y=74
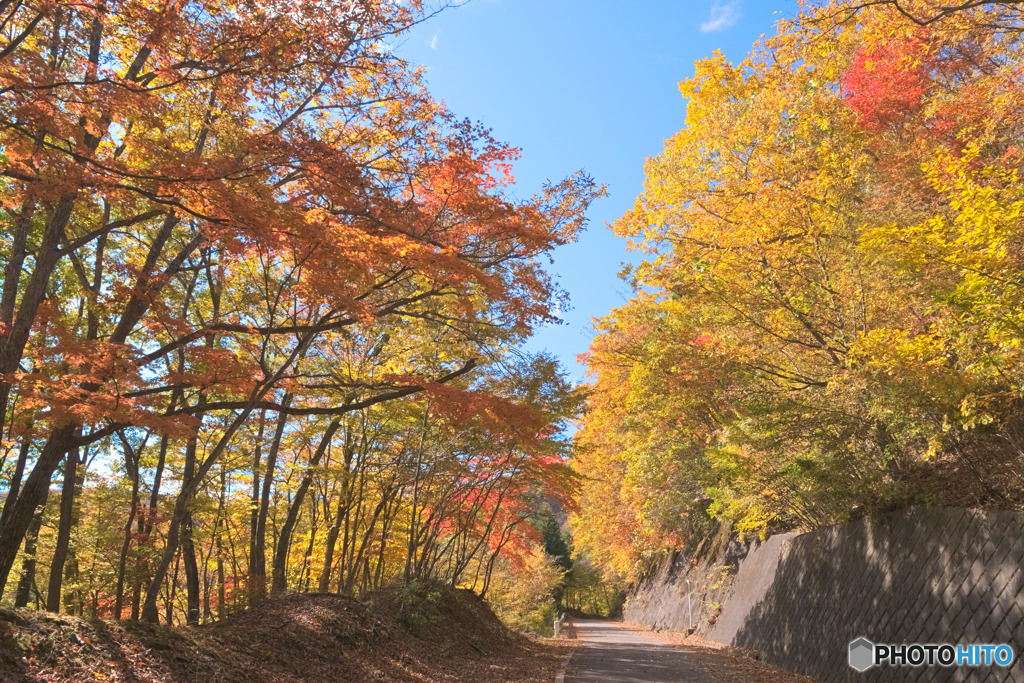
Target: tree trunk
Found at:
x=132, y=466
x=254, y=506
x=221, y=522
x=413, y=521
x=60, y=551
x=188, y=550
x=281, y=553
x=28, y=565
x=188, y=489
x=32, y=495
x=332, y=539
x=361, y=557
x=145, y=528
x=19, y=471
x=171, y=592
x=258, y=558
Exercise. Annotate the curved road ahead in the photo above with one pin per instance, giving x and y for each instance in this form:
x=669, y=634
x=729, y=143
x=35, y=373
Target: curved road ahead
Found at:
x=611, y=653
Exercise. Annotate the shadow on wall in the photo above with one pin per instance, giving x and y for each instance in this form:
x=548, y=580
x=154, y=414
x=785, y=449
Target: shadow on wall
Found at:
x=915, y=576
x=662, y=599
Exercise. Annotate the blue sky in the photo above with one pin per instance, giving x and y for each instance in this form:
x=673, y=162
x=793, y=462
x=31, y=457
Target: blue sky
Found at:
x=582, y=85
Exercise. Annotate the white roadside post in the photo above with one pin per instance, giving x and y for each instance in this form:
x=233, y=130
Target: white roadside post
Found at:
x=689, y=606
x=558, y=623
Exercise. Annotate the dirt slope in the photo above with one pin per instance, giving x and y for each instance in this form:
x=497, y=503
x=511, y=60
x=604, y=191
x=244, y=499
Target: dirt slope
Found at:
x=427, y=634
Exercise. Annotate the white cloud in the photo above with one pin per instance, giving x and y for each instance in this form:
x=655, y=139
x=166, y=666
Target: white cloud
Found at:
x=723, y=15
x=433, y=41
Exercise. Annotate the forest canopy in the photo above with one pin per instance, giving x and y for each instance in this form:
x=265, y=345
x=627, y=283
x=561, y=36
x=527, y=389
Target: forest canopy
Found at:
x=828, y=321
x=268, y=294
x=264, y=299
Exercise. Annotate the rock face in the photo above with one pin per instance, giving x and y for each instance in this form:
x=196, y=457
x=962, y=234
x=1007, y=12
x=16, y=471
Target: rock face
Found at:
x=727, y=577
x=663, y=600
x=913, y=576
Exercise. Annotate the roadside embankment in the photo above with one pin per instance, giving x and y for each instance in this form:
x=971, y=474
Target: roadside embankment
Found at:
x=434, y=634
x=797, y=600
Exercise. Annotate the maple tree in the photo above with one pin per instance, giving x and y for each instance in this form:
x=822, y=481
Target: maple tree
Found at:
x=926, y=12
x=240, y=239
x=829, y=320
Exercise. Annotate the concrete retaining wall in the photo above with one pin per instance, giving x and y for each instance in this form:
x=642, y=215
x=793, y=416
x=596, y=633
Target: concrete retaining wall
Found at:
x=927, y=576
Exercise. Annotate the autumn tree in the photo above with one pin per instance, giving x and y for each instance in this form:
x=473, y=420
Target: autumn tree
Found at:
x=829, y=321
x=202, y=204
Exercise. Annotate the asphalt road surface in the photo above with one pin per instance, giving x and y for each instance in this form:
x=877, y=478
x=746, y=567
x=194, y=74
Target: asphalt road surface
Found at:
x=611, y=653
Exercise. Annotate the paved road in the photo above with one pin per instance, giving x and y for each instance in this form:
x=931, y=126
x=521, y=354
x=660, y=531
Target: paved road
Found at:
x=610, y=653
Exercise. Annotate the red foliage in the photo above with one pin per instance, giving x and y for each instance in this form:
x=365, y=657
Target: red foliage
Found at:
x=885, y=86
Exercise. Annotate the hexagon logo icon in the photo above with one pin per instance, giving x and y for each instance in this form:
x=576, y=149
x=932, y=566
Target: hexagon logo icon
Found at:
x=862, y=654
